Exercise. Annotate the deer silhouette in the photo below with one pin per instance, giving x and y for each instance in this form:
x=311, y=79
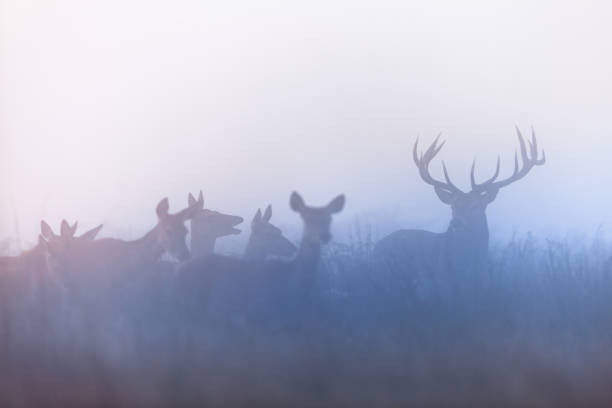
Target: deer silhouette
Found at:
x=26, y=283
x=35, y=259
x=243, y=285
x=208, y=225
x=106, y=262
x=266, y=239
x=464, y=245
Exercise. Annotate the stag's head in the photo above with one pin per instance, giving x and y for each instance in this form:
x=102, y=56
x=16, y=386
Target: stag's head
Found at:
x=317, y=220
x=470, y=206
x=269, y=238
x=171, y=230
x=212, y=223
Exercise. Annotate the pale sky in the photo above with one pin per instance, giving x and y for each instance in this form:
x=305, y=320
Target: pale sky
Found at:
x=108, y=106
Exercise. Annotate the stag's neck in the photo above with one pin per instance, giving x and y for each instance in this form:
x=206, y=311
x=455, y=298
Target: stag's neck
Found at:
x=475, y=231
x=202, y=244
x=467, y=244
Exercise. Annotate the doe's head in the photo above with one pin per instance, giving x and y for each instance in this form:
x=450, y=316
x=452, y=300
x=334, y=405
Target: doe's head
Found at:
x=269, y=238
x=317, y=220
x=171, y=230
x=211, y=223
x=58, y=246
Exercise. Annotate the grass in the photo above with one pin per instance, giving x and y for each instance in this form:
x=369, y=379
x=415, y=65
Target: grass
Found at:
x=535, y=330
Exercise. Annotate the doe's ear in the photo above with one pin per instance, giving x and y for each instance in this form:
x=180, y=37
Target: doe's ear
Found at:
x=296, y=202
x=91, y=234
x=66, y=231
x=257, y=217
x=268, y=213
x=46, y=230
x=189, y=212
x=162, y=208
x=41, y=242
x=200, y=201
x=445, y=196
x=337, y=204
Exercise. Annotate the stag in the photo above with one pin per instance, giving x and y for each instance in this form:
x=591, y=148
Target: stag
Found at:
x=208, y=225
x=464, y=245
x=266, y=239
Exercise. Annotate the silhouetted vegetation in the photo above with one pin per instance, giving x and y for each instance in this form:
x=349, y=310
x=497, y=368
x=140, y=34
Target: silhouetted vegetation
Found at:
x=534, y=330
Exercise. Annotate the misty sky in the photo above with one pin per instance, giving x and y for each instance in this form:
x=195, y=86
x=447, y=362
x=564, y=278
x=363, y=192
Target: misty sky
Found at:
x=108, y=106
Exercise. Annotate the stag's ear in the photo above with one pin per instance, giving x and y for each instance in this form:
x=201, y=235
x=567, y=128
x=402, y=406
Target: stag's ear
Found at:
x=445, y=196
x=336, y=205
x=46, y=230
x=201, y=200
x=268, y=213
x=91, y=234
x=162, y=208
x=257, y=217
x=296, y=202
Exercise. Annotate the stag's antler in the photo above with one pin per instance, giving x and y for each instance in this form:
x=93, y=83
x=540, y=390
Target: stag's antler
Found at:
x=422, y=162
x=529, y=161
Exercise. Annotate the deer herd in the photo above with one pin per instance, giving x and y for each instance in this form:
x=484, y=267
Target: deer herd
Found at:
x=272, y=266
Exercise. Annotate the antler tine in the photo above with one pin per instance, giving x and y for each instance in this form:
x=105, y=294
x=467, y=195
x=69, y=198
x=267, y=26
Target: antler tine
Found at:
x=523, y=148
x=472, y=178
x=542, y=160
x=451, y=186
x=415, y=155
x=422, y=162
x=516, y=163
x=434, y=148
x=534, y=145
x=476, y=186
x=529, y=160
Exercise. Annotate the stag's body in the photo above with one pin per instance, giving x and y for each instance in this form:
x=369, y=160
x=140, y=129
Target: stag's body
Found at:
x=424, y=252
x=463, y=248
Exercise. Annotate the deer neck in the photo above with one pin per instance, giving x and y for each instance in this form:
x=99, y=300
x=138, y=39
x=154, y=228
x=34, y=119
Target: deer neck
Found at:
x=202, y=243
x=147, y=249
x=254, y=249
x=309, y=253
x=33, y=258
x=474, y=230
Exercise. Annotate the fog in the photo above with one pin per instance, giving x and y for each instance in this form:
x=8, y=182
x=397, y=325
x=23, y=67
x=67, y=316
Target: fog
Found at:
x=106, y=107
